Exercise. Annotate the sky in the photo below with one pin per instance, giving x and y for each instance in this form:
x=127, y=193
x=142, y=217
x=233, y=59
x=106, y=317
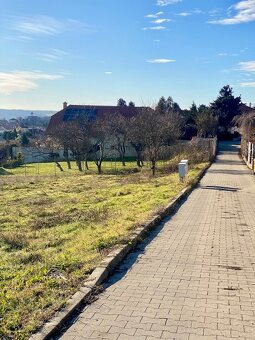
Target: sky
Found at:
x=94, y=52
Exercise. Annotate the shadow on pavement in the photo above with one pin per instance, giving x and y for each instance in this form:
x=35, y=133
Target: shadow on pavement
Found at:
x=133, y=257
x=215, y=187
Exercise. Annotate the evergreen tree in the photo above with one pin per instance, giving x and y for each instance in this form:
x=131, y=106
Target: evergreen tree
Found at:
x=161, y=106
x=24, y=140
x=193, y=109
x=121, y=102
x=226, y=107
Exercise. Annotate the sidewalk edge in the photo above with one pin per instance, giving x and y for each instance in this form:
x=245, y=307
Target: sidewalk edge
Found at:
x=108, y=264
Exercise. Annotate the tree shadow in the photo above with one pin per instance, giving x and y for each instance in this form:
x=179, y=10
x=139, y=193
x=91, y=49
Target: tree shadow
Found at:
x=133, y=257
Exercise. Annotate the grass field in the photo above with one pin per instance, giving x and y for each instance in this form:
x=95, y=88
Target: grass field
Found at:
x=54, y=229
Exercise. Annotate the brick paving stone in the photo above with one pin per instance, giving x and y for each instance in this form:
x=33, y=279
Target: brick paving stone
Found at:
x=195, y=277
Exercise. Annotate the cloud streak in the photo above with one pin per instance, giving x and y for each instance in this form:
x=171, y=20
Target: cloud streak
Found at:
x=160, y=61
x=44, y=26
x=156, y=15
x=161, y=21
x=22, y=81
x=184, y=14
x=248, y=84
x=247, y=66
x=163, y=3
x=54, y=55
x=154, y=28
x=239, y=13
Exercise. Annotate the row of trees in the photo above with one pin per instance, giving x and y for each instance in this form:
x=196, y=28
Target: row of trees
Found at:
x=17, y=137
x=148, y=133
x=216, y=118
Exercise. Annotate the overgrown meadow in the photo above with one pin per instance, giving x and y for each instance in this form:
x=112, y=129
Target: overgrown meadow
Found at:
x=56, y=227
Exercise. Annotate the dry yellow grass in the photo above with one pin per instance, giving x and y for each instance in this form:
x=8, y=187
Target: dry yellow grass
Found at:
x=55, y=229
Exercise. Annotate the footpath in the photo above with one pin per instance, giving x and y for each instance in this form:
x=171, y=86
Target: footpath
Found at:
x=195, y=279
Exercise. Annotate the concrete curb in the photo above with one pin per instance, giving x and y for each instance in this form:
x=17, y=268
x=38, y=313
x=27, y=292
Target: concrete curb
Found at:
x=107, y=266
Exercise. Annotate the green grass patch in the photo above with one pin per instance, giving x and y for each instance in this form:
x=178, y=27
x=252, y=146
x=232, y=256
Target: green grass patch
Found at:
x=54, y=229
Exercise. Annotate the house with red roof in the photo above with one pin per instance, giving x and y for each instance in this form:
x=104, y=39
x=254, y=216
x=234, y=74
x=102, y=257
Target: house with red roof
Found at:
x=74, y=112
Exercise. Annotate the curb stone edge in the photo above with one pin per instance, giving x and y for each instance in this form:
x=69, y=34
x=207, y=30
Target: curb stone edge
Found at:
x=108, y=264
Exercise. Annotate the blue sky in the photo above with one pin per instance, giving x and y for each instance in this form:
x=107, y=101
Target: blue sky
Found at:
x=96, y=51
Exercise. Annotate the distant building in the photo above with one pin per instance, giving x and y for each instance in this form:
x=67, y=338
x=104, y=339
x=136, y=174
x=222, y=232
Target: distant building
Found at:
x=74, y=112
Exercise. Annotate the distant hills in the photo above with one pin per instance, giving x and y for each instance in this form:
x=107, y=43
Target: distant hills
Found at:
x=10, y=113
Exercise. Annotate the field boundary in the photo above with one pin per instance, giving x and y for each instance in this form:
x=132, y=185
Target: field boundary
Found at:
x=108, y=264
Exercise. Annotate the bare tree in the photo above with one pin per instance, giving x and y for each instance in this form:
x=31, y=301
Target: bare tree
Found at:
x=206, y=122
x=60, y=134
x=99, y=136
x=246, y=124
x=155, y=132
x=118, y=130
x=138, y=147
x=48, y=147
x=76, y=137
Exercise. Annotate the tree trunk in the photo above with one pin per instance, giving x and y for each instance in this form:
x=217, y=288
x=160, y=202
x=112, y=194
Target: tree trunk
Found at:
x=139, y=160
x=68, y=164
x=153, y=167
x=78, y=162
x=65, y=154
x=99, y=168
x=59, y=166
x=123, y=152
x=86, y=164
x=123, y=160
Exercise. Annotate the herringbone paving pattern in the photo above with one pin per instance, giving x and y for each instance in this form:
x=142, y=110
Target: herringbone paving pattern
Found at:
x=196, y=278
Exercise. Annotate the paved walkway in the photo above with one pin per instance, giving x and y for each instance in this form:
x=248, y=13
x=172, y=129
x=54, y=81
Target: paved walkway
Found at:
x=196, y=278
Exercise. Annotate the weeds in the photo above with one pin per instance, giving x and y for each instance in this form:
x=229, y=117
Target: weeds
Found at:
x=55, y=229
x=14, y=240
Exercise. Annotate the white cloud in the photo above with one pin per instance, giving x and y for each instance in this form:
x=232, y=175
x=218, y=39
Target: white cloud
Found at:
x=54, y=55
x=244, y=11
x=156, y=15
x=228, y=54
x=22, y=81
x=214, y=12
x=184, y=14
x=197, y=11
x=247, y=66
x=108, y=72
x=194, y=11
x=248, y=84
x=39, y=25
x=167, y=2
x=44, y=25
x=160, y=61
x=154, y=28
x=161, y=21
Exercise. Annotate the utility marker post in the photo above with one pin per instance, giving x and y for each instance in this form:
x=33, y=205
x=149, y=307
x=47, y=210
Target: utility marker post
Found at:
x=183, y=169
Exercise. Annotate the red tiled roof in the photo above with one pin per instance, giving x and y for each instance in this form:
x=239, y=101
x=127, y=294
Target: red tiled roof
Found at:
x=246, y=109
x=126, y=111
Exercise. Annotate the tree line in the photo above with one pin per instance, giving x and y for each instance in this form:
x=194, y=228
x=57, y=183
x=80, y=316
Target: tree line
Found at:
x=149, y=132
